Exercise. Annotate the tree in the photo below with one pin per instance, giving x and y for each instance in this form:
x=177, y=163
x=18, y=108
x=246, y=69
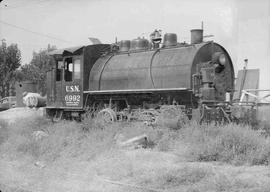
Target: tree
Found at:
x=37, y=69
x=10, y=60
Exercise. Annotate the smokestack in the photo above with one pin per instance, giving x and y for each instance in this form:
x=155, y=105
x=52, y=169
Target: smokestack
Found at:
x=196, y=36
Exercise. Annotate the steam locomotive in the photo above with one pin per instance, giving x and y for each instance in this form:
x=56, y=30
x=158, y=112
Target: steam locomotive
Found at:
x=140, y=75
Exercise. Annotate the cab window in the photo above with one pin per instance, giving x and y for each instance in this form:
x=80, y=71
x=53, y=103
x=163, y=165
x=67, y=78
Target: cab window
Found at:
x=68, y=69
x=59, y=67
x=77, y=68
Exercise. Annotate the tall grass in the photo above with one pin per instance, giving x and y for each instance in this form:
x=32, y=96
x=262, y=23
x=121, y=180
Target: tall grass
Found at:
x=95, y=143
x=85, y=140
x=230, y=143
x=3, y=131
x=227, y=143
x=66, y=140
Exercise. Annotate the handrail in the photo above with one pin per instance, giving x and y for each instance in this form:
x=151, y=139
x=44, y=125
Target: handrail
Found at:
x=258, y=99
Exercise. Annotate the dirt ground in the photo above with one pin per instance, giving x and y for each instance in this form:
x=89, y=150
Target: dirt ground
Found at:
x=121, y=172
x=13, y=114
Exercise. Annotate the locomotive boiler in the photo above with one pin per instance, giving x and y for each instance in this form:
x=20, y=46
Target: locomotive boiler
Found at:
x=140, y=75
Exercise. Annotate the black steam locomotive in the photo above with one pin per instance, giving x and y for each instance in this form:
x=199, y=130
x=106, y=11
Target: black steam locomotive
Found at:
x=140, y=75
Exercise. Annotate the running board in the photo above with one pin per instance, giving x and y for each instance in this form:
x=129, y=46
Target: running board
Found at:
x=135, y=91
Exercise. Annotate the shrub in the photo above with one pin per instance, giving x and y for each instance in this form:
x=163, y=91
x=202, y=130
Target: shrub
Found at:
x=172, y=117
x=229, y=143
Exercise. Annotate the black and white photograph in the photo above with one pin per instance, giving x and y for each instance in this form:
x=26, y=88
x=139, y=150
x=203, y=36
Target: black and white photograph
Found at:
x=134, y=96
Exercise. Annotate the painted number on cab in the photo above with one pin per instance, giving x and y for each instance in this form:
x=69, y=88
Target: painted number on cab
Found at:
x=72, y=100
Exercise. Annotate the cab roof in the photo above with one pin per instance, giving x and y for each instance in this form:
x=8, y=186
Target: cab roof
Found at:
x=69, y=50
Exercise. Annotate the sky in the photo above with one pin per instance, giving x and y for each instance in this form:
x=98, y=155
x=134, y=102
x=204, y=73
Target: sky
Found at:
x=241, y=26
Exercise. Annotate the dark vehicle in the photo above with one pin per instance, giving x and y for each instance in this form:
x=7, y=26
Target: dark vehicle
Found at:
x=7, y=103
x=125, y=78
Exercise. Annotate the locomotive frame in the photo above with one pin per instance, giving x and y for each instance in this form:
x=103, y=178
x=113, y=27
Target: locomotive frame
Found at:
x=194, y=77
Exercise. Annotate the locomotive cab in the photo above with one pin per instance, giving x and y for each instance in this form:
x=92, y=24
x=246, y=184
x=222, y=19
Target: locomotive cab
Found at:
x=65, y=80
x=65, y=86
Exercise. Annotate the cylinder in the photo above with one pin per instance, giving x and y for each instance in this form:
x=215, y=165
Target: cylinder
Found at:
x=170, y=39
x=124, y=45
x=196, y=36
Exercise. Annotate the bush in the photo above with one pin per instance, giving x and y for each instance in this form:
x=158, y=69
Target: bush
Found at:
x=229, y=143
x=67, y=139
x=172, y=117
x=86, y=140
x=18, y=139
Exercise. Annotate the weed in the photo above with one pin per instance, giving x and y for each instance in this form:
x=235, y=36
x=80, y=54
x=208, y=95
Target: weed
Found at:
x=229, y=143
